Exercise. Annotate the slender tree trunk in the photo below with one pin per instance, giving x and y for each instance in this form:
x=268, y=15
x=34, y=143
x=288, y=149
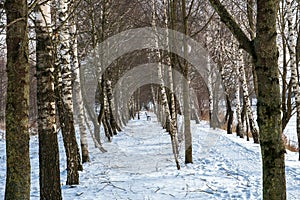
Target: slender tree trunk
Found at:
x=17, y=104
x=65, y=107
x=172, y=107
x=195, y=108
x=104, y=112
x=293, y=65
x=77, y=95
x=48, y=144
x=210, y=86
x=186, y=93
x=168, y=116
x=229, y=115
x=253, y=128
x=239, y=127
x=97, y=126
x=229, y=111
x=111, y=107
x=251, y=21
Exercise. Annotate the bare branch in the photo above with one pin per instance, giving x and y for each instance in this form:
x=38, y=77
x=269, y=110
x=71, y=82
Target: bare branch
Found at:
x=236, y=30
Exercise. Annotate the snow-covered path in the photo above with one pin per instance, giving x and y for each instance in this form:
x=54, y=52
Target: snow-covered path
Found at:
x=139, y=165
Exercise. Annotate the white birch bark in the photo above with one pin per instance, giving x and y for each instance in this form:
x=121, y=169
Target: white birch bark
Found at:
x=170, y=116
x=105, y=110
x=64, y=54
x=195, y=106
x=293, y=65
x=229, y=112
x=66, y=111
x=253, y=126
x=239, y=127
x=210, y=91
x=77, y=95
x=210, y=80
x=173, y=122
x=48, y=144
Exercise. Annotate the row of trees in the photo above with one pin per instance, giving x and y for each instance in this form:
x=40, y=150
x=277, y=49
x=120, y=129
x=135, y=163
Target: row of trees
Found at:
x=67, y=32
x=54, y=93
x=253, y=63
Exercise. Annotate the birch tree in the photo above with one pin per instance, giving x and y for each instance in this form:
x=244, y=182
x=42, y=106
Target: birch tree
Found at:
x=264, y=52
x=239, y=127
x=211, y=79
x=65, y=107
x=48, y=144
x=210, y=85
x=17, y=105
x=293, y=65
x=225, y=67
x=77, y=95
x=104, y=109
x=243, y=79
x=169, y=116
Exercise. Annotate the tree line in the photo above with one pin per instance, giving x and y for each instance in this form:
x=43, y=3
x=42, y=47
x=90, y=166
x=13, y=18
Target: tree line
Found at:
x=255, y=46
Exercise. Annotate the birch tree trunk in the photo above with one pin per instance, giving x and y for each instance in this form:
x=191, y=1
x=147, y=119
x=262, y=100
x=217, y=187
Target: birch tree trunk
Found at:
x=224, y=81
x=293, y=64
x=251, y=20
x=65, y=107
x=210, y=83
x=195, y=108
x=253, y=127
x=239, y=127
x=111, y=107
x=48, y=144
x=229, y=114
x=77, y=95
x=104, y=110
x=173, y=117
x=169, y=117
x=17, y=104
x=210, y=86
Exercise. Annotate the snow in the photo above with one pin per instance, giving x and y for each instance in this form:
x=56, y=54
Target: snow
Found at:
x=139, y=165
